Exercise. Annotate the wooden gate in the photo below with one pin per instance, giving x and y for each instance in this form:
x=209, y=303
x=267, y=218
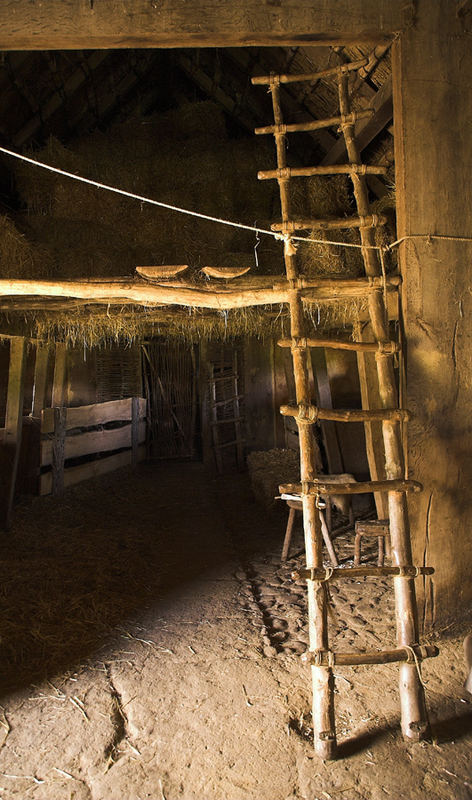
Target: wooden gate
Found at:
x=171, y=392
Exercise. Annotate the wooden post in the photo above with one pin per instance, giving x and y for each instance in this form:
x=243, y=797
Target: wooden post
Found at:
x=13, y=427
x=323, y=681
x=58, y=398
x=58, y=451
x=373, y=430
x=40, y=378
x=413, y=709
x=134, y=430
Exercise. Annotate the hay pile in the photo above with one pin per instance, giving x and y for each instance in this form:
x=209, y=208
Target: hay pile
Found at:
x=183, y=158
x=186, y=158
x=269, y=468
x=18, y=255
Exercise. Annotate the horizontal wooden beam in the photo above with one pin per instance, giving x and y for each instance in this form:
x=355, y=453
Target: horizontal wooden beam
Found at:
x=264, y=290
x=339, y=223
x=318, y=486
x=406, y=654
x=388, y=348
x=307, y=172
x=103, y=24
x=313, y=414
x=314, y=125
x=366, y=571
x=311, y=77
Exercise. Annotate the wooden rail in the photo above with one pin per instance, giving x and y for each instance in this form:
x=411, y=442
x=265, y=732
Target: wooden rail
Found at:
x=64, y=438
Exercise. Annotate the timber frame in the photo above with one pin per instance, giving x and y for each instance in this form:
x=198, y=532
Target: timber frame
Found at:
x=423, y=31
x=104, y=24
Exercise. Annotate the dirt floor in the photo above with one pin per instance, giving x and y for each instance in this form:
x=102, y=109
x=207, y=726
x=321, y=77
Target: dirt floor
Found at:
x=150, y=649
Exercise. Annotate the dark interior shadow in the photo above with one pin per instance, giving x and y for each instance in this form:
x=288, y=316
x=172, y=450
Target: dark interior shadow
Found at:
x=76, y=569
x=357, y=744
x=452, y=728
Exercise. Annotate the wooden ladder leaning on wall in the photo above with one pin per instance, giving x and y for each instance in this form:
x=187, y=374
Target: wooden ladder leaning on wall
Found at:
x=321, y=658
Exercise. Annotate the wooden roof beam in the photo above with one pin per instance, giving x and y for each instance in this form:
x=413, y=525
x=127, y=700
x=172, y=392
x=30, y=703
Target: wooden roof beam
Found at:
x=81, y=24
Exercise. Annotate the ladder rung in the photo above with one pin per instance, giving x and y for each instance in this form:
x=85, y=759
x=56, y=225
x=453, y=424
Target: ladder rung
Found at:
x=341, y=69
x=360, y=572
x=225, y=421
x=318, y=486
x=308, y=413
x=228, y=377
x=386, y=348
x=315, y=125
x=371, y=221
x=230, y=444
x=225, y=402
x=326, y=658
x=334, y=169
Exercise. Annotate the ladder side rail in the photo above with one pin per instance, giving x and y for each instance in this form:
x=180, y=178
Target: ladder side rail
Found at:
x=322, y=676
x=413, y=710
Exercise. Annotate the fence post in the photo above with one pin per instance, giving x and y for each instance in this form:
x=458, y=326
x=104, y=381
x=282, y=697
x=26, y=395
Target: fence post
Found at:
x=58, y=451
x=134, y=430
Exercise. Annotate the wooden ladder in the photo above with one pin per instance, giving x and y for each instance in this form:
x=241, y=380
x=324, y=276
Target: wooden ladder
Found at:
x=321, y=658
x=225, y=406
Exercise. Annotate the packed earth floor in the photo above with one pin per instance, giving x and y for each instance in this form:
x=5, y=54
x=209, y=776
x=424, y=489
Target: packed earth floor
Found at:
x=150, y=649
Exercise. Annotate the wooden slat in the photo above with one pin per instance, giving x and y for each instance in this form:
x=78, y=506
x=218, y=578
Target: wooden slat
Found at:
x=96, y=414
x=93, y=469
x=82, y=24
x=93, y=442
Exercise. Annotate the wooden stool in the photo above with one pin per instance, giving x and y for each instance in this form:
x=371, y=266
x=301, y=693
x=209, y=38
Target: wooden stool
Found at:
x=297, y=505
x=376, y=527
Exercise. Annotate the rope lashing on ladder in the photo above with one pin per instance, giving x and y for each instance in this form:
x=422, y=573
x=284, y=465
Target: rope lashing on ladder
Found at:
x=231, y=223
x=307, y=413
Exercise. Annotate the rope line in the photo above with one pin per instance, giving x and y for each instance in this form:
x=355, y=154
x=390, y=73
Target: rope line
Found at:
x=286, y=238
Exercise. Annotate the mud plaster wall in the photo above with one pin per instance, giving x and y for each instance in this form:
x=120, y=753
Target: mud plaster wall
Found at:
x=433, y=123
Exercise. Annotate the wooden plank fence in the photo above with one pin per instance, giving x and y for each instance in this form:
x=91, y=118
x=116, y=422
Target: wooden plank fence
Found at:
x=63, y=438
